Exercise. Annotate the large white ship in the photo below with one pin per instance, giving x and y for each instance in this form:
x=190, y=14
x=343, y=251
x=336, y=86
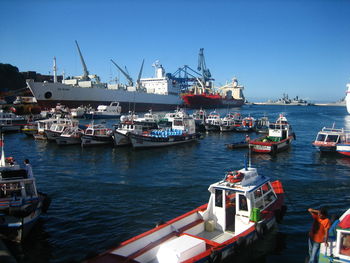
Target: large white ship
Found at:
x=347, y=97
x=158, y=93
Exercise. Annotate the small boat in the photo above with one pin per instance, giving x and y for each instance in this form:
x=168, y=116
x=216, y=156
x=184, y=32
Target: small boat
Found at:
x=11, y=122
x=230, y=122
x=238, y=145
x=328, y=138
x=213, y=121
x=247, y=125
x=338, y=249
x=71, y=135
x=199, y=117
x=242, y=208
x=79, y=112
x=20, y=203
x=30, y=129
x=111, y=111
x=262, y=125
x=56, y=129
x=44, y=125
x=130, y=124
x=183, y=130
x=278, y=139
x=96, y=134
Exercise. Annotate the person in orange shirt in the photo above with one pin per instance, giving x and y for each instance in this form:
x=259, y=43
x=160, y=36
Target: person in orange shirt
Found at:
x=318, y=233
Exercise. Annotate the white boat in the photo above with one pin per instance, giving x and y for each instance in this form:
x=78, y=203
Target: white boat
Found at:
x=338, y=249
x=328, y=138
x=199, y=117
x=347, y=97
x=56, y=129
x=213, y=122
x=96, y=134
x=10, y=121
x=160, y=92
x=131, y=124
x=20, y=202
x=42, y=126
x=79, y=112
x=278, y=139
x=183, y=130
x=71, y=135
x=242, y=208
x=110, y=111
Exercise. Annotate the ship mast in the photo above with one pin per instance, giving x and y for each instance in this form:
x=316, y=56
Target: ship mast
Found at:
x=86, y=72
x=54, y=70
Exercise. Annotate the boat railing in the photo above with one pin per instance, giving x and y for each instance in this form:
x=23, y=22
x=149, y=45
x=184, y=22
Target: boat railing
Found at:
x=342, y=130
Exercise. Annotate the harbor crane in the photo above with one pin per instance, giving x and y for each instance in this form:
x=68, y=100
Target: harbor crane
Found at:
x=130, y=80
x=85, y=76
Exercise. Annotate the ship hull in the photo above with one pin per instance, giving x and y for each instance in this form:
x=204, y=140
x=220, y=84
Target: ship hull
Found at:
x=210, y=101
x=49, y=94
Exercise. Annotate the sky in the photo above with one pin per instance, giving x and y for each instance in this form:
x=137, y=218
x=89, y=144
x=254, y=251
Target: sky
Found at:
x=298, y=47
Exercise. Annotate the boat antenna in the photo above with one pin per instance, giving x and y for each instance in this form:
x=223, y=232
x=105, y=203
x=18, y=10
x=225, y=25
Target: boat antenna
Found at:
x=2, y=161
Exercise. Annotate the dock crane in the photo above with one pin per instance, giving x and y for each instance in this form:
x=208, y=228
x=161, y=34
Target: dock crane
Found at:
x=130, y=80
x=206, y=75
x=85, y=76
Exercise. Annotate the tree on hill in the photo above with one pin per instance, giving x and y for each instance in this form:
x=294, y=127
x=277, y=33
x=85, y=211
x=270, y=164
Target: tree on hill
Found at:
x=10, y=79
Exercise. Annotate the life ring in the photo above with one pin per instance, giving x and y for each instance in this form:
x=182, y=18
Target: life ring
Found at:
x=234, y=177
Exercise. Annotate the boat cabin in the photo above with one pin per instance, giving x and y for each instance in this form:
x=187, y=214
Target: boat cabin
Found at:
x=184, y=124
x=280, y=130
x=97, y=130
x=330, y=136
x=234, y=199
x=112, y=108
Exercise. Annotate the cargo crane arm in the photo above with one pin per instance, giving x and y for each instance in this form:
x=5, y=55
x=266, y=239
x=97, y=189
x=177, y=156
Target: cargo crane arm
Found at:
x=131, y=82
x=86, y=72
x=206, y=75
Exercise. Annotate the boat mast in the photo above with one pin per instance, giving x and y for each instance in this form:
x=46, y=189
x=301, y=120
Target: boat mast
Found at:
x=86, y=72
x=2, y=161
x=54, y=70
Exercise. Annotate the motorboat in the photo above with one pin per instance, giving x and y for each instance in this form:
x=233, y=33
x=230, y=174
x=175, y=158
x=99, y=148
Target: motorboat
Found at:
x=247, y=125
x=242, y=208
x=111, y=111
x=262, y=125
x=278, y=139
x=228, y=123
x=96, y=134
x=328, y=138
x=213, y=121
x=71, y=135
x=183, y=130
x=20, y=203
x=11, y=122
x=30, y=129
x=130, y=124
x=338, y=249
x=199, y=117
x=56, y=129
x=42, y=126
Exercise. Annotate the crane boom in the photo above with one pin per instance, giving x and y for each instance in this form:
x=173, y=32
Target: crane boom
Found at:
x=202, y=65
x=131, y=82
x=86, y=72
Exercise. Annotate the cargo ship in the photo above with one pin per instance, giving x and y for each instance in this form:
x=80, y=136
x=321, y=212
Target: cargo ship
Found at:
x=204, y=96
x=157, y=93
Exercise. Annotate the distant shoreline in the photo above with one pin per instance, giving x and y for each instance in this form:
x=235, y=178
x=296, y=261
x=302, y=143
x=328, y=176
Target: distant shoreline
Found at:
x=311, y=104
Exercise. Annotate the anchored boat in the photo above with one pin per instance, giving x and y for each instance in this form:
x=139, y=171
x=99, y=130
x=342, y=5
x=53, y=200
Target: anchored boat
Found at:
x=328, y=138
x=278, y=139
x=20, y=202
x=242, y=208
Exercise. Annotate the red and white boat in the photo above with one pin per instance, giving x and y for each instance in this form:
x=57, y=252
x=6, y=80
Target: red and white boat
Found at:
x=278, y=139
x=344, y=147
x=328, y=138
x=242, y=208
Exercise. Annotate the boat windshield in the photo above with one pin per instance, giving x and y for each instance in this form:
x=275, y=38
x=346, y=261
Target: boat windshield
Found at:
x=332, y=138
x=321, y=137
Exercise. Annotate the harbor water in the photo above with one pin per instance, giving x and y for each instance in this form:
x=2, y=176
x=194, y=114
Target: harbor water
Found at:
x=102, y=196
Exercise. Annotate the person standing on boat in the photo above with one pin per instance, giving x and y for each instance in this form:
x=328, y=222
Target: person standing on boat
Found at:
x=318, y=233
x=28, y=168
x=247, y=138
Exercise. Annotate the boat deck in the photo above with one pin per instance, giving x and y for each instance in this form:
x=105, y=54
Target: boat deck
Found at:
x=216, y=236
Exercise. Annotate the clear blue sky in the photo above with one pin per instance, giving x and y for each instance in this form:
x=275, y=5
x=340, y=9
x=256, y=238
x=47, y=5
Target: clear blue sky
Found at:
x=272, y=47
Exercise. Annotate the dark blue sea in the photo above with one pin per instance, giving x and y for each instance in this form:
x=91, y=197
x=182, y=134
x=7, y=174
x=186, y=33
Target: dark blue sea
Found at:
x=102, y=196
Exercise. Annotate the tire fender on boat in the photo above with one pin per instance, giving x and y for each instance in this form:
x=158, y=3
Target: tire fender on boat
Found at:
x=215, y=256
x=261, y=229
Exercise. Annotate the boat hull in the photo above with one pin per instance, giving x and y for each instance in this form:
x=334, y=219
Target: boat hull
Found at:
x=87, y=140
x=270, y=147
x=207, y=101
x=142, y=141
x=63, y=140
x=49, y=94
x=121, y=139
x=343, y=149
